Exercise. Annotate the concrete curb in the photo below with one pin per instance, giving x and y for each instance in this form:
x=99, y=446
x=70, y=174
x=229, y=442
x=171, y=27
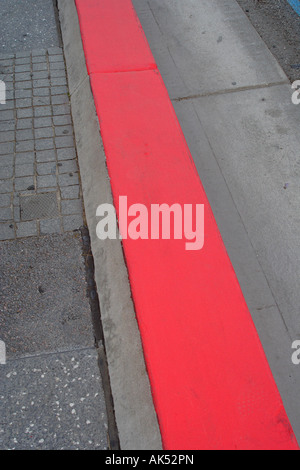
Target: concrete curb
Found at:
x=134, y=411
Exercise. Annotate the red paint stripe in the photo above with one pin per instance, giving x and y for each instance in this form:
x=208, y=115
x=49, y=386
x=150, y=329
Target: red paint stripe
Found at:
x=211, y=382
x=104, y=27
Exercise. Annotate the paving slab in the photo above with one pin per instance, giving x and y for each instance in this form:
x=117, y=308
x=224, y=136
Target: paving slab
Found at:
x=262, y=169
x=23, y=28
x=53, y=402
x=43, y=299
x=198, y=55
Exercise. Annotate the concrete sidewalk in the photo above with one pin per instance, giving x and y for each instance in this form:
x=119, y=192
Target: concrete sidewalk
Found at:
x=51, y=389
x=234, y=104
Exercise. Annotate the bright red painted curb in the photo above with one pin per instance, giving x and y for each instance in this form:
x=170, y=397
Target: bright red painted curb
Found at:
x=104, y=29
x=211, y=382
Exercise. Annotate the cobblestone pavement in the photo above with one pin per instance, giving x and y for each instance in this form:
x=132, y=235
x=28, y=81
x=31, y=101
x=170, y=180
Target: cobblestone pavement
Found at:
x=39, y=181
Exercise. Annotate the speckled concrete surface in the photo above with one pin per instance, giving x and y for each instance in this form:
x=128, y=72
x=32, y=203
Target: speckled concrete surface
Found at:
x=27, y=25
x=52, y=402
x=43, y=297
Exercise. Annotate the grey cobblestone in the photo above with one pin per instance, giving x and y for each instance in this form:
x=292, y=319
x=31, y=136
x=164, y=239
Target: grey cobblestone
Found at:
x=46, y=190
x=6, y=172
x=36, y=52
x=41, y=74
x=66, y=153
x=41, y=100
x=25, y=146
x=22, y=68
x=70, y=207
x=5, y=200
x=24, y=123
x=5, y=214
x=9, y=104
x=41, y=92
x=58, y=81
x=37, y=148
x=42, y=66
x=4, y=62
x=50, y=226
x=24, y=113
x=22, y=61
x=39, y=59
x=69, y=179
x=61, y=109
x=20, y=77
x=63, y=120
x=6, y=231
x=7, y=125
x=6, y=186
x=24, y=102
x=57, y=74
x=17, y=214
x=42, y=122
x=23, y=85
x=25, y=134
x=47, y=181
x=68, y=166
x=54, y=50
x=43, y=132
x=56, y=58
x=6, y=56
x=45, y=156
x=7, y=136
x=46, y=168
x=7, y=147
x=24, y=157
x=60, y=99
x=24, y=93
x=72, y=222
x=41, y=83
x=6, y=115
x=6, y=160
x=62, y=142
x=10, y=94
x=24, y=170
x=57, y=66
x=58, y=90
x=44, y=144
x=70, y=192
x=27, y=229
x=23, y=54
x=22, y=184
x=42, y=111
x=63, y=130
